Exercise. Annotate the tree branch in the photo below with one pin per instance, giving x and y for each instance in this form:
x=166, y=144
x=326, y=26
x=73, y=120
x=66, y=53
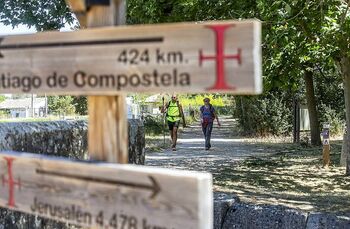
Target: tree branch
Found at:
x=345, y=13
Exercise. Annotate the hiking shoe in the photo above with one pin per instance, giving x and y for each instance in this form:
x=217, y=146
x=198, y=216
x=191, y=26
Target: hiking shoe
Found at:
x=207, y=148
x=174, y=148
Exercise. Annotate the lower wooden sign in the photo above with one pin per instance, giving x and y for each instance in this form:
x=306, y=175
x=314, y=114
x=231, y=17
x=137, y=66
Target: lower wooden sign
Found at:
x=104, y=195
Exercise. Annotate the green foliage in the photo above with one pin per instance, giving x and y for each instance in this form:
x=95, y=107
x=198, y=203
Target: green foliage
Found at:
x=4, y=114
x=306, y=35
x=154, y=125
x=61, y=105
x=140, y=98
x=297, y=36
x=282, y=46
x=226, y=110
x=155, y=11
x=2, y=98
x=197, y=100
x=335, y=119
x=221, y=102
x=330, y=94
x=80, y=105
x=263, y=115
x=41, y=14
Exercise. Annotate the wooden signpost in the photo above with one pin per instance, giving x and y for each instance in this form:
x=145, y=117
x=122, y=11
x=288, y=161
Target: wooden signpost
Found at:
x=185, y=57
x=105, y=195
x=106, y=63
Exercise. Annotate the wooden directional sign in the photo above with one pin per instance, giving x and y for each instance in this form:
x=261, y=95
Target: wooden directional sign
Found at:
x=103, y=195
x=193, y=57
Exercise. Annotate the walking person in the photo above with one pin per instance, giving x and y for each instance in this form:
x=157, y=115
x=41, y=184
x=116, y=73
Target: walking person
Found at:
x=208, y=115
x=174, y=114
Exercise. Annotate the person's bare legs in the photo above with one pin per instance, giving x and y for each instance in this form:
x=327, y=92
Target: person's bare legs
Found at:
x=174, y=136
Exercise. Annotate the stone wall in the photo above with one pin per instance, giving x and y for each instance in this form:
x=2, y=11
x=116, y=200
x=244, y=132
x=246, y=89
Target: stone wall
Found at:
x=59, y=138
x=229, y=213
x=64, y=138
x=136, y=142
x=69, y=139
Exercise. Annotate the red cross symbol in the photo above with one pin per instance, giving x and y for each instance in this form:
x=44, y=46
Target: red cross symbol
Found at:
x=10, y=181
x=220, y=57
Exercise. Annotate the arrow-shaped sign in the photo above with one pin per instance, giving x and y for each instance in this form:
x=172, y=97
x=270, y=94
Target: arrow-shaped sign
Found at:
x=184, y=58
x=154, y=186
x=95, y=194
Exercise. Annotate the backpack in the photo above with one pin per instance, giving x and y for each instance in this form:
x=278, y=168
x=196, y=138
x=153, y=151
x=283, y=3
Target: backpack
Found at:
x=211, y=109
x=178, y=106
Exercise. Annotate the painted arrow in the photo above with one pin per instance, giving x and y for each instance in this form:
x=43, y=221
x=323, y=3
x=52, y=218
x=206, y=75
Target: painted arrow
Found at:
x=154, y=186
x=79, y=43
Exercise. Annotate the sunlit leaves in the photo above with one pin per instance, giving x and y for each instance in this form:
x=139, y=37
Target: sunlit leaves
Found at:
x=41, y=14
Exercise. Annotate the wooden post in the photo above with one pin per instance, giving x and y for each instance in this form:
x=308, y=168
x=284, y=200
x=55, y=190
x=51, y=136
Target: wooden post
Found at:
x=326, y=145
x=107, y=130
x=326, y=155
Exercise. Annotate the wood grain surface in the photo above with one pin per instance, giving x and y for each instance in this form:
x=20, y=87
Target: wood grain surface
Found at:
x=104, y=195
x=220, y=56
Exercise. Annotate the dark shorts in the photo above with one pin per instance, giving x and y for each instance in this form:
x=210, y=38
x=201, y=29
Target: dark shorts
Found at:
x=173, y=124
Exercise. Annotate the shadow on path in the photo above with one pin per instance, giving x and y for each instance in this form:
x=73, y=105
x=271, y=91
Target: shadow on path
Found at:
x=275, y=173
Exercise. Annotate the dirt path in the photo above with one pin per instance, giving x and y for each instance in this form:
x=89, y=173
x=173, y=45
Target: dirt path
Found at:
x=263, y=171
x=227, y=149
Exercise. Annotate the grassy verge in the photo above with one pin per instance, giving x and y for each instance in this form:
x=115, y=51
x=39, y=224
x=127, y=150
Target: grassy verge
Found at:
x=157, y=143
x=293, y=177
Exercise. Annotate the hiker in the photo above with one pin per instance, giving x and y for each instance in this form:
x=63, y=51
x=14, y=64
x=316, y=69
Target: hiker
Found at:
x=208, y=115
x=174, y=114
x=190, y=108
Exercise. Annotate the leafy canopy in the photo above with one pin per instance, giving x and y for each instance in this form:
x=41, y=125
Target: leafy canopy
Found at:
x=43, y=15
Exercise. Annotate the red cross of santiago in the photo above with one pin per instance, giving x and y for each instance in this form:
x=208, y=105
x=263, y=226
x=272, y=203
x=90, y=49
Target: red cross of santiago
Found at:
x=10, y=181
x=220, y=57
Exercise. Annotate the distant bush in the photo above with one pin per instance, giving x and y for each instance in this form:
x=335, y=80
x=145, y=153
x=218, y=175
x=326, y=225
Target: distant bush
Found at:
x=226, y=110
x=5, y=114
x=222, y=103
x=263, y=115
x=61, y=105
x=197, y=100
x=334, y=118
x=330, y=97
x=153, y=125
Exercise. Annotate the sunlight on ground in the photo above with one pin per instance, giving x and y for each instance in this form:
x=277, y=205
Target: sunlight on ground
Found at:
x=212, y=140
x=290, y=181
x=262, y=170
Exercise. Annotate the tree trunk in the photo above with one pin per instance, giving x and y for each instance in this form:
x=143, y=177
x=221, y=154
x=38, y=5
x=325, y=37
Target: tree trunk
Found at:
x=345, y=69
x=344, y=152
x=311, y=106
x=296, y=121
